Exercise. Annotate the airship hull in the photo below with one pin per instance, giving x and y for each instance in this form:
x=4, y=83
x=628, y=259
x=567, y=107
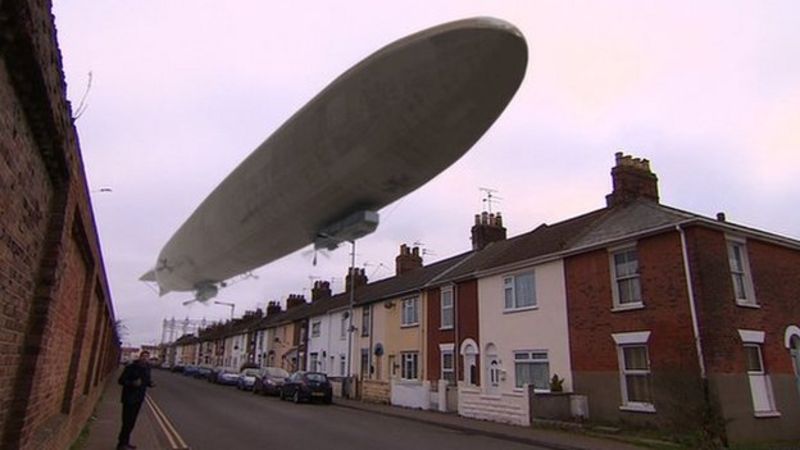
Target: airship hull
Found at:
x=378, y=132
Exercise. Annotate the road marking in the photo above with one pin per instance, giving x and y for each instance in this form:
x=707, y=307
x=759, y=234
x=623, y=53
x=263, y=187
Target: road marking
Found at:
x=175, y=439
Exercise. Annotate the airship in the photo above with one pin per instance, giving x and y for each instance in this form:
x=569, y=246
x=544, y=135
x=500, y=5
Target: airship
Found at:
x=379, y=131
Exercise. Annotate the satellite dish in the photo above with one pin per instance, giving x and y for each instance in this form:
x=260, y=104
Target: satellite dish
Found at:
x=379, y=131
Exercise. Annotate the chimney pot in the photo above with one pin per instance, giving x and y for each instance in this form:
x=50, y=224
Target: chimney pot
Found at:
x=490, y=229
x=721, y=216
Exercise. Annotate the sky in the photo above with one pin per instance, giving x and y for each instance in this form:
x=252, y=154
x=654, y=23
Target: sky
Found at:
x=181, y=92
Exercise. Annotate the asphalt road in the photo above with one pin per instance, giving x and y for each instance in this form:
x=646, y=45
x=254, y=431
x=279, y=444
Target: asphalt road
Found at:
x=213, y=417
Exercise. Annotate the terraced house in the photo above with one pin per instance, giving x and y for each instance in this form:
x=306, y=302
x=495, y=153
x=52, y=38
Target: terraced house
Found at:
x=637, y=313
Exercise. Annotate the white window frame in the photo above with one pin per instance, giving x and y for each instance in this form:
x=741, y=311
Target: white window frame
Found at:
x=409, y=362
x=632, y=339
x=313, y=361
x=615, y=279
x=366, y=319
x=531, y=357
x=447, y=349
x=761, y=393
x=510, y=289
x=343, y=327
x=342, y=364
x=316, y=328
x=410, y=305
x=749, y=299
x=447, y=308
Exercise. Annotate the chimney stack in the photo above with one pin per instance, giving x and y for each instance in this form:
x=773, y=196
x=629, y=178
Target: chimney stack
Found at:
x=632, y=180
x=295, y=300
x=488, y=228
x=360, y=278
x=321, y=290
x=273, y=308
x=409, y=259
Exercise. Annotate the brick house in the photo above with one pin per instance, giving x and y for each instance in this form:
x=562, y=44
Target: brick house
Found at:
x=694, y=320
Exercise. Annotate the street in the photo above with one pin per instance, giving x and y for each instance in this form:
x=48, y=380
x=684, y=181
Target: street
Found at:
x=213, y=417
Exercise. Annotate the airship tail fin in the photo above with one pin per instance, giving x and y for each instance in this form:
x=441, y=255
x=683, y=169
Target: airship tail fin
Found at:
x=150, y=275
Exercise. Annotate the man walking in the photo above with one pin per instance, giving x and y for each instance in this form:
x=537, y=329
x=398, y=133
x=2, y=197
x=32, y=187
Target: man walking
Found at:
x=135, y=380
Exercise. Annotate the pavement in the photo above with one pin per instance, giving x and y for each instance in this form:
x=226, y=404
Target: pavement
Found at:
x=154, y=429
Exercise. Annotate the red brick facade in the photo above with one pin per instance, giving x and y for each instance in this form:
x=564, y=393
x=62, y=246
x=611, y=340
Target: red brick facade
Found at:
x=465, y=327
x=57, y=337
x=674, y=363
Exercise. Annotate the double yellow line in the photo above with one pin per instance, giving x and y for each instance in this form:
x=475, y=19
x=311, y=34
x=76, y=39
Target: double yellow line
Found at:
x=175, y=439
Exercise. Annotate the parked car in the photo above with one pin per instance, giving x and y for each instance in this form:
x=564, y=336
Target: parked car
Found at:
x=177, y=368
x=189, y=371
x=247, y=379
x=310, y=386
x=227, y=377
x=202, y=372
x=270, y=381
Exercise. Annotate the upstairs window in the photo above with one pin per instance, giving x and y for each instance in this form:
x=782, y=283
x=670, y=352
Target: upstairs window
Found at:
x=410, y=311
x=365, y=321
x=343, y=328
x=626, y=283
x=446, y=301
x=740, y=272
x=315, y=329
x=519, y=291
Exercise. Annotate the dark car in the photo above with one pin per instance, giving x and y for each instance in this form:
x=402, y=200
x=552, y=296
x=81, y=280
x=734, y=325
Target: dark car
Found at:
x=270, y=381
x=308, y=386
x=202, y=372
x=227, y=377
x=190, y=371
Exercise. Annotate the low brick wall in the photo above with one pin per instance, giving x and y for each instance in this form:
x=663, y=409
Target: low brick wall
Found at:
x=375, y=391
x=508, y=407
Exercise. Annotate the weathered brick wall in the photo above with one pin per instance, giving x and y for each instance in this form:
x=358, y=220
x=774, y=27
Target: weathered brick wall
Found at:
x=776, y=280
x=375, y=391
x=25, y=194
x=57, y=337
x=666, y=312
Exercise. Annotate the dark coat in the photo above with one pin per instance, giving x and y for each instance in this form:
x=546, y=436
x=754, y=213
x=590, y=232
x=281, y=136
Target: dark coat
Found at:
x=133, y=392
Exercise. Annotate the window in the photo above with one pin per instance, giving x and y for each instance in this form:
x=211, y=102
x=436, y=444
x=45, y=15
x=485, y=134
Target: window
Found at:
x=364, y=362
x=634, y=368
x=313, y=362
x=315, y=327
x=365, y=323
x=448, y=365
x=343, y=328
x=342, y=365
x=532, y=368
x=626, y=285
x=760, y=382
x=410, y=311
x=446, y=302
x=408, y=361
x=520, y=291
x=740, y=273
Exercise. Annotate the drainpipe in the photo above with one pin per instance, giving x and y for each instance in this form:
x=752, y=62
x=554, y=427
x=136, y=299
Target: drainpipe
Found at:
x=456, y=341
x=690, y=292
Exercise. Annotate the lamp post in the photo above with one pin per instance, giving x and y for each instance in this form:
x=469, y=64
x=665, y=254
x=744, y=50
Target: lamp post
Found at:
x=350, y=320
x=231, y=305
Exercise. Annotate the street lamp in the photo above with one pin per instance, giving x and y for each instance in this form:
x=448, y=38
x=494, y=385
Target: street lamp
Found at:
x=231, y=305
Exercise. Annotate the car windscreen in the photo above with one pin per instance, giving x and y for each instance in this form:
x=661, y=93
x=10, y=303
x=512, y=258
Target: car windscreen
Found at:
x=316, y=377
x=250, y=372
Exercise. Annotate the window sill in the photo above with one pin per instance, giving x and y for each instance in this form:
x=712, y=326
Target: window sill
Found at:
x=766, y=414
x=524, y=308
x=748, y=304
x=627, y=307
x=446, y=328
x=410, y=325
x=642, y=408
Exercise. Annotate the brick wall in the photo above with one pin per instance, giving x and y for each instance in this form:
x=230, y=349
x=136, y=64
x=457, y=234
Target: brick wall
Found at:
x=57, y=338
x=776, y=280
